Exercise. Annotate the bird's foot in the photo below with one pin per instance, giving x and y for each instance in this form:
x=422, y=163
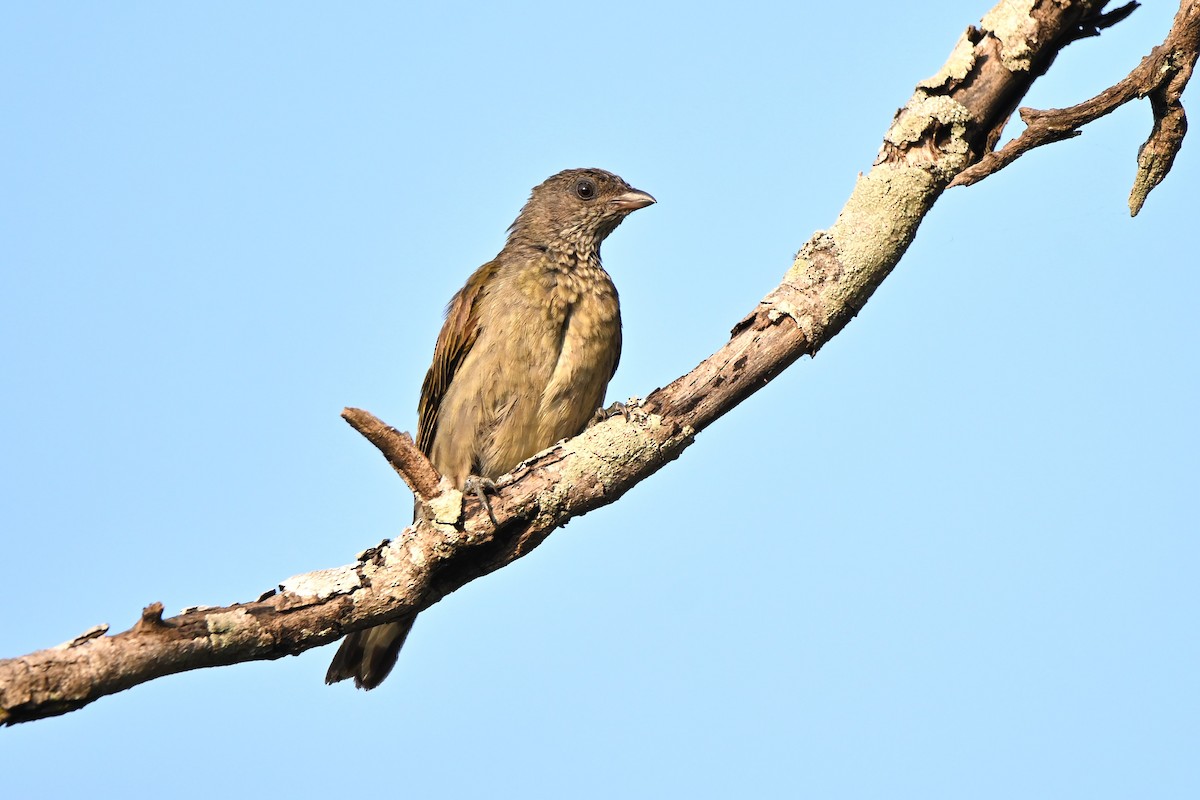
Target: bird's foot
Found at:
x=603, y=414
x=481, y=487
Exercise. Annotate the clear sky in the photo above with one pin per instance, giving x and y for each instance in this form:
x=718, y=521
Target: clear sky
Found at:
x=953, y=556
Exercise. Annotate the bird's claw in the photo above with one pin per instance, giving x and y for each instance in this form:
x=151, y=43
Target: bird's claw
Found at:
x=481, y=487
x=603, y=414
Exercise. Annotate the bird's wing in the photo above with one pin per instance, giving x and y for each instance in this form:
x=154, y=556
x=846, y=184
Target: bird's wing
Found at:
x=616, y=354
x=458, y=335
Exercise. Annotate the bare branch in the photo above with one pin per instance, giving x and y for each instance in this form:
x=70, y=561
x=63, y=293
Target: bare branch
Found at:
x=1092, y=26
x=1170, y=123
x=1161, y=76
x=399, y=450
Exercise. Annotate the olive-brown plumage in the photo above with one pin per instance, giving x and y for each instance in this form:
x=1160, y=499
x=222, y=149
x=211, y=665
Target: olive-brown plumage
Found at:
x=523, y=359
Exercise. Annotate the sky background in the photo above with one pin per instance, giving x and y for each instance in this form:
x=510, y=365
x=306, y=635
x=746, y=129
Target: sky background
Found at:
x=953, y=556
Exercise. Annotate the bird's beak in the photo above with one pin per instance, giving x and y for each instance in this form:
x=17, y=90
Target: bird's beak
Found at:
x=632, y=200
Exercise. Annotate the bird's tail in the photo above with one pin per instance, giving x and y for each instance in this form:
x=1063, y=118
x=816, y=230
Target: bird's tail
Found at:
x=368, y=656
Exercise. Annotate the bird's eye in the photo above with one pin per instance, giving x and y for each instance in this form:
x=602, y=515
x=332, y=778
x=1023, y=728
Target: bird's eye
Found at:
x=585, y=189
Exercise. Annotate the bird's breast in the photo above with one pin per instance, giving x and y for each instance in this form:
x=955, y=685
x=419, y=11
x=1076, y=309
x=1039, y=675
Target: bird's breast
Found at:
x=586, y=310
x=547, y=344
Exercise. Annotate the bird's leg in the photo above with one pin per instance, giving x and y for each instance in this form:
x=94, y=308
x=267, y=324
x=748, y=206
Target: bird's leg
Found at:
x=603, y=414
x=481, y=487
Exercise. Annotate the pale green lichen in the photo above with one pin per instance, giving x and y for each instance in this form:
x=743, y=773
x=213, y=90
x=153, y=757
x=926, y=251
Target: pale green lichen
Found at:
x=961, y=60
x=837, y=269
x=922, y=117
x=225, y=621
x=880, y=218
x=323, y=583
x=446, y=508
x=784, y=308
x=799, y=275
x=1013, y=24
x=599, y=455
x=924, y=111
x=228, y=628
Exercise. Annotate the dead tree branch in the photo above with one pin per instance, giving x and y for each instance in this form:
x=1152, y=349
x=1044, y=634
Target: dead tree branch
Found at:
x=1161, y=76
x=400, y=451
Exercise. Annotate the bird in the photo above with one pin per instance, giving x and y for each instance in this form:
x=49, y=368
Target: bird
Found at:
x=523, y=359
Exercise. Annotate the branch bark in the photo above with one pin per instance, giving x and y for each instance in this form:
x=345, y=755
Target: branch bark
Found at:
x=1161, y=76
x=400, y=451
x=952, y=121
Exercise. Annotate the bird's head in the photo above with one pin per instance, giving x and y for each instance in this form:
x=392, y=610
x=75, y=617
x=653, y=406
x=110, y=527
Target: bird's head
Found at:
x=575, y=210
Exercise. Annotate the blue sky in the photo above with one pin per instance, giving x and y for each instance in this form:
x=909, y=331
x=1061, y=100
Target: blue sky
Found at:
x=953, y=556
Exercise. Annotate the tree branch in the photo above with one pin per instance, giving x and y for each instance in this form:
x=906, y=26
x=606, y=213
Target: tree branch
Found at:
x=1161, y=76
x=400, y=451
x=949, y=123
